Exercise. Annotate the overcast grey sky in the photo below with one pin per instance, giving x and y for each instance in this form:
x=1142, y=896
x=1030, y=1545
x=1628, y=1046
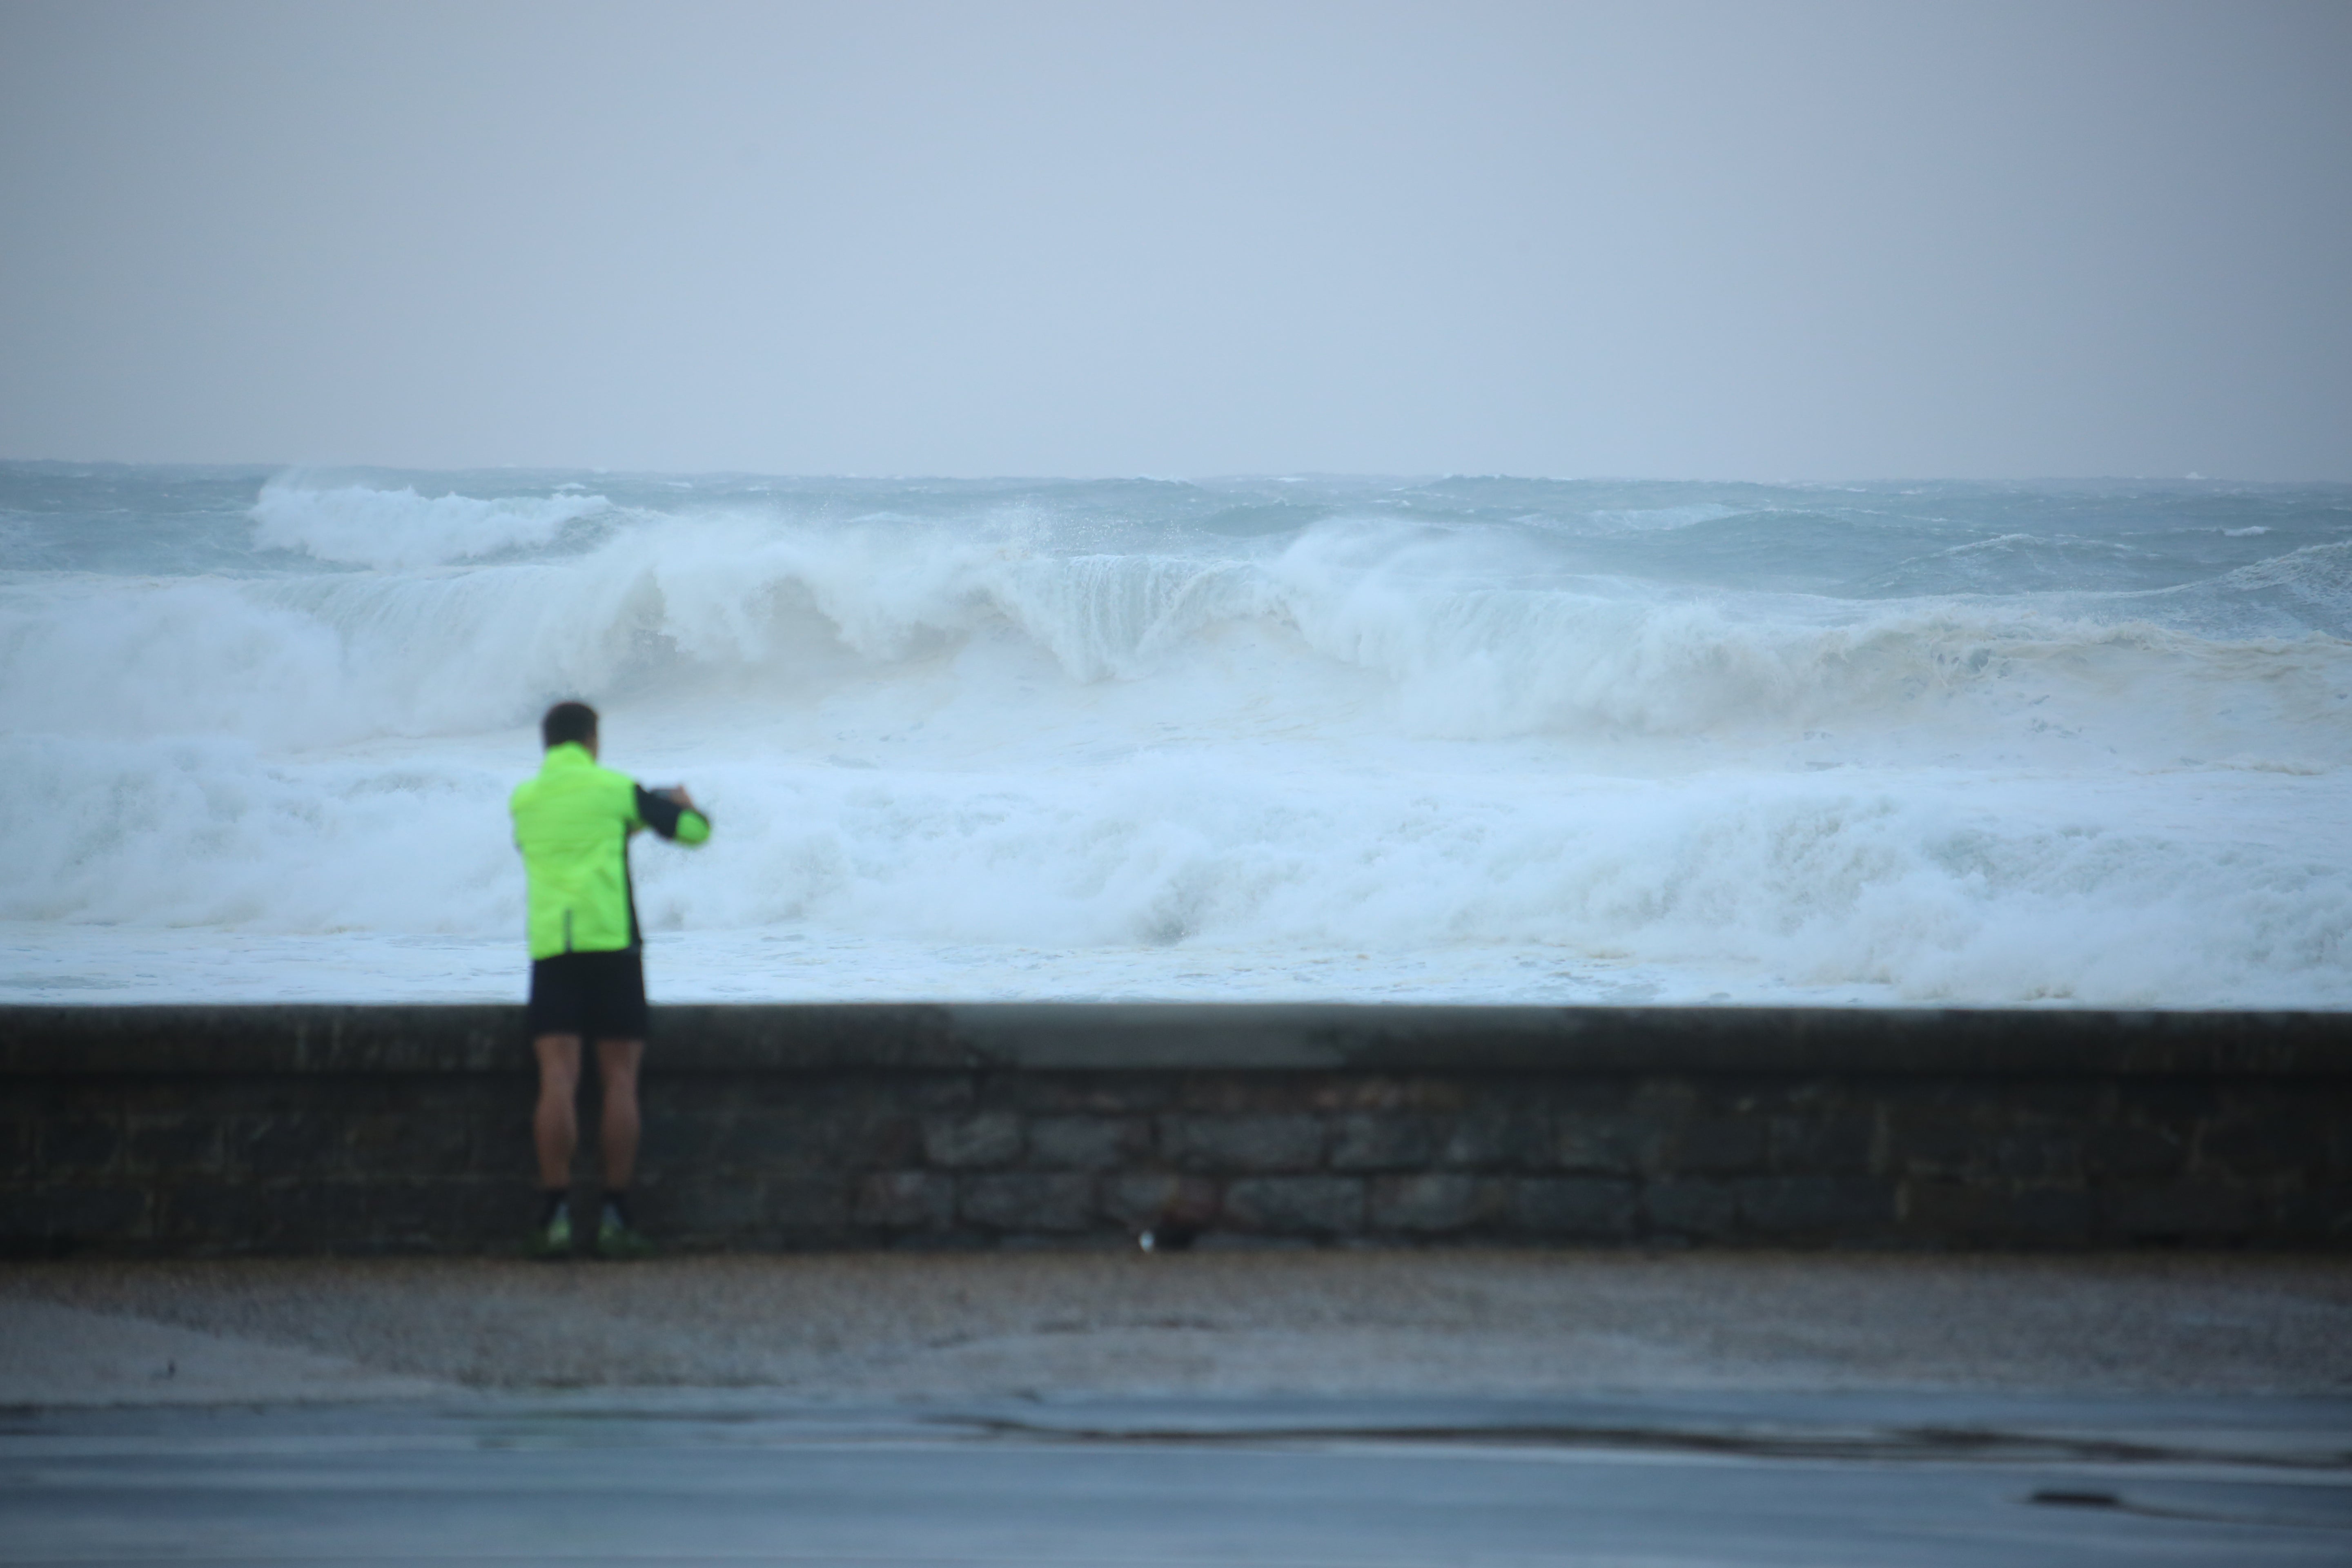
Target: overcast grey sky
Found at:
x=1758, y=240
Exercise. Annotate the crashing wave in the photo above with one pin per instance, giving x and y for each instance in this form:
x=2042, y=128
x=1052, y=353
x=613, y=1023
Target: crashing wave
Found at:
x=365, y=526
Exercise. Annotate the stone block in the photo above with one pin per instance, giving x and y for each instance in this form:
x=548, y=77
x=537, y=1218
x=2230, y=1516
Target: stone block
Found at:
x=1607, y=1142
x=1296, y=1205
x=1577, y=1096
x=802, y=1203
x=2133, y=1152
x=1689, y=1207
x=1254, y=1241
x=486, y=1216
x=2182, y=1211
x=476, y=1214
x=1928, y=1139
x=1823, y=1138
x=1574, y=1208
x=1088, y=1143
x=73, y=1212
x=727, y=1093
x=239, y=1217
x=1499, y=1139
x=2174, y=1109
x=2051, y=1102
x=1154, y=1200
x=870, y=1101
x=956, y=1238
x=1981, y=1212
x=903, y=1199
x=172, y=1146
x=673, y=1137
x=1420, y=1093
x=1063, y=1241
x=289, y=1143
x=80, y=1143
x=990, y=1138
x=1815, y=1207
x=498, y=1143
x=1245, y=1143
x=1028, y=1201
x=1228, y=1093
x=702, y=1208
x=1433, y=1204
x=2257, y=1136
x=1720, y=1144
x=1383, y=1142
x=346, y=1216
x=1042, y=1094
x=754, y=1137
x=934, y=1093
x=879, y=1141
x=2039, y=1153
x=408, y=1144
x=2318, y=1218
x=1663, y=1102
x=412, y=1215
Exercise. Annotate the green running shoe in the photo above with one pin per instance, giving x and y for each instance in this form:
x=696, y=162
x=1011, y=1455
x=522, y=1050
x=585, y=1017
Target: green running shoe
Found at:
x=554, y=1241
x=620, y=1242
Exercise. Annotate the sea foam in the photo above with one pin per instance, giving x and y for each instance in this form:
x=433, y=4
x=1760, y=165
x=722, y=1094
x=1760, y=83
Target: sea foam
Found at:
x=1104, y=741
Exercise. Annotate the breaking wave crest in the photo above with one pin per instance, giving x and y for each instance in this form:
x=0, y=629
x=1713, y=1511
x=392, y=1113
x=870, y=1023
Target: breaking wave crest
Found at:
x=367, y=526
x=334, y=658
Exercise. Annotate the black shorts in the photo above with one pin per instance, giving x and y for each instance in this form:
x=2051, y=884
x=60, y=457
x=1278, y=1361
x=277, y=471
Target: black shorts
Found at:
x=596, y=995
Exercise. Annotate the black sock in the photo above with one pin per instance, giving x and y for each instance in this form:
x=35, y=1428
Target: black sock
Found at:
x=619, y=1204
x=551, y=1203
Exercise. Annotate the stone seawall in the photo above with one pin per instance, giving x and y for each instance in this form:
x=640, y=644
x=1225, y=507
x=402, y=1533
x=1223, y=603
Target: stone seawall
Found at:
x=247, y=1130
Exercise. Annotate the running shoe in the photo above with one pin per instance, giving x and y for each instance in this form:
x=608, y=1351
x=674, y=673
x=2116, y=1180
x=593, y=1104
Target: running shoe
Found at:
x=620, y=1242
x=554, y=1239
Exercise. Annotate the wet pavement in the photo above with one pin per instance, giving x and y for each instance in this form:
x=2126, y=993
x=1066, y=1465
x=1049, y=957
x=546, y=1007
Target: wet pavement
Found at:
x=887, y=1328
x=1457, y=1410
x=742, y=1477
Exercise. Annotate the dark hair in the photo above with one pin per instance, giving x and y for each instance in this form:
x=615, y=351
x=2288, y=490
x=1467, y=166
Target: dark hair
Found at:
x=568, y=721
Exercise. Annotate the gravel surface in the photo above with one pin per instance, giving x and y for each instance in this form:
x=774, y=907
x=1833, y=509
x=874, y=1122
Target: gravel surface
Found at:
x=895, y=1327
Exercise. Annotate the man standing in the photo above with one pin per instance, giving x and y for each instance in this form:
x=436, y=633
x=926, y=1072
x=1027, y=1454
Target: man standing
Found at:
x=572, y=823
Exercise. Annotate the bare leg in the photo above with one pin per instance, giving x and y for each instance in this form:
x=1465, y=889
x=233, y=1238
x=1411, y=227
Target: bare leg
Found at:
x=555, y=1125
x=617, y=1060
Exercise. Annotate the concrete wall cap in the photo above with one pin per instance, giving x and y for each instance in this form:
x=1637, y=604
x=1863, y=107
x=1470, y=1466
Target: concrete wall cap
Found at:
x=1170, y=1037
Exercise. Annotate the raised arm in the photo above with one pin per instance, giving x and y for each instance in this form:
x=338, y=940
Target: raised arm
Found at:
x=673, y=815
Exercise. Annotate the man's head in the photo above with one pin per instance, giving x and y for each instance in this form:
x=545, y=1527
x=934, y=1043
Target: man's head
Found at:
x=569, y=721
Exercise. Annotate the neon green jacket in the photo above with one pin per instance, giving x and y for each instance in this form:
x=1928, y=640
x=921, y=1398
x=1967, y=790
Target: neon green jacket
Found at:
x=573, y=825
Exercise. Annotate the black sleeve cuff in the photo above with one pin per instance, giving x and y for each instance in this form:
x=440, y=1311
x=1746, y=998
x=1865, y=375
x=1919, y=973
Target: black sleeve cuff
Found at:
x=658, y=812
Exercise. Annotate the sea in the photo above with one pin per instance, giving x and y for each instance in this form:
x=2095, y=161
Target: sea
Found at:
x=1457, y=739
